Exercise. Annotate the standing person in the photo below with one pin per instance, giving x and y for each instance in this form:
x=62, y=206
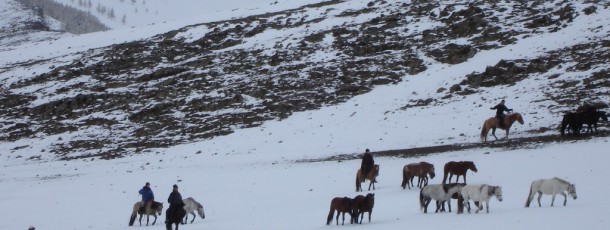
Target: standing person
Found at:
x=500, y=108
x=175, y=202
x=367, y=163
x=147, y=197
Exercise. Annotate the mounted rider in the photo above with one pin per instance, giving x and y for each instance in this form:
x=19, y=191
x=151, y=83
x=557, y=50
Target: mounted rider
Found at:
x=500, y=108
x=147, y=197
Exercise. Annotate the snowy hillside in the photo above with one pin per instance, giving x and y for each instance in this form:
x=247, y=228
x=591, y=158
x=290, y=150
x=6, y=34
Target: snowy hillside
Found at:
x=263, y=118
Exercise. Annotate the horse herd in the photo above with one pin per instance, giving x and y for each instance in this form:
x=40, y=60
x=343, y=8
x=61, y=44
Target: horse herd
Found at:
x=442, y=193
x=190, y=206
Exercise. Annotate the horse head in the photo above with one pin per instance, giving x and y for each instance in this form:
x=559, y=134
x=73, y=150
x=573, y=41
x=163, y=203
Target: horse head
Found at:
x=200, y=211
x=572, y=190
x=471, y=166
x=159, y=209
x=518, y=118
x=370, y=199
x=498, y=192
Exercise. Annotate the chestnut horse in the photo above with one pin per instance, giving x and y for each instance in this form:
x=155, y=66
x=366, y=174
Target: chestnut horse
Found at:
x=342, y=205
x=420, y=170
x=458, y=168
x=371, y=177
x=492, y=123
x=363, y=204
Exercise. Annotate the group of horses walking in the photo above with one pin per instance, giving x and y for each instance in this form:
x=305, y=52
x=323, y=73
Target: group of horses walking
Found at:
x=179, y=217
x=478, y=193
x=355, y=208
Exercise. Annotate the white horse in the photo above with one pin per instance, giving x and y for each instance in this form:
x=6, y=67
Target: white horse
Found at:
x=551, y=186
x=438, y=192
x=481, y=193
x=190, y=205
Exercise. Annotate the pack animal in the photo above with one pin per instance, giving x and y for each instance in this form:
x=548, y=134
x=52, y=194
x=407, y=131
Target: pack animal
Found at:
x=458, y=168
x=155, y=209
x=492, y=123
x=552, y=187
x=372, y=177
x=363, y=204
x=440, y=193
x=190, y=206
x=342, y=205
x=420, y=170
x=481, y=193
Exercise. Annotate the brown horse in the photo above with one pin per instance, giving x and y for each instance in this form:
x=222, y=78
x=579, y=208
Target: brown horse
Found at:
x=363, y=204
x=342, y=205
x=371, y=177
x=492, y=123
x=457, y=168
x=420, y=170
x=155, y=209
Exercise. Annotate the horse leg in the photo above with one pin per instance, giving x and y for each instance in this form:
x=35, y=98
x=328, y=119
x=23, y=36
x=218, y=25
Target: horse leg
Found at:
x=493, y=133
x=506, y=138
x=464, y=178
x=487, y=206
x=194, y=216
x=553, y=199
x=155, y=221
x=141, y=215
x=540, y=196
x=565, y=198
x=449, y=204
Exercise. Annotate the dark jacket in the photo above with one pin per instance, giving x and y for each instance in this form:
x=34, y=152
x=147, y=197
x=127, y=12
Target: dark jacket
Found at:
x=367, y=163
x=147, y=194
x=500, y=108
x=175, y=199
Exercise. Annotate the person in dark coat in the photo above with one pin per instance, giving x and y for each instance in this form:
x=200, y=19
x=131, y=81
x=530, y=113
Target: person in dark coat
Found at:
x=175, y=202
x=500, y=109
x=367, y=162
x=147, y=197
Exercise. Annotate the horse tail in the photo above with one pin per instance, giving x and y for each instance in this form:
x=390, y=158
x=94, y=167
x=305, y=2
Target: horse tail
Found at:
x=421, y=199
x=484, y=131
x=134, y=214
x=358, y=180
x=331, y=213
x=527, y=201
x=404, y=177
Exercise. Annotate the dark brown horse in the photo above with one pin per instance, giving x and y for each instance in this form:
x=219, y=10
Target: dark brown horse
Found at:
x=174, y=217
x=458, y=168
x=342, y=205
x=371, y=177
x=363, y=204
x=492, y=123
x=420, y=170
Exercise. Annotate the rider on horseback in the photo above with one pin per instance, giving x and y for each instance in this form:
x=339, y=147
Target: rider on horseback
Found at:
x=500, y=108
x=175, y=202
x=147, y=197
x=367, y=163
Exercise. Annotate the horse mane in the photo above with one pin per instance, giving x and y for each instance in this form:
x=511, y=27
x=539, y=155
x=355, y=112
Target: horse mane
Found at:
x=561, y=180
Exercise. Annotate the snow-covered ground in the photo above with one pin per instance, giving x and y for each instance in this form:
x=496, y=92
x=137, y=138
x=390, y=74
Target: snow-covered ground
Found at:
x=250, y=180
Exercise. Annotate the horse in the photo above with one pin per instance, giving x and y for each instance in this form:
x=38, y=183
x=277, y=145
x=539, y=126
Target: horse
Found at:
x=571, y=121
x=481, y=193
x=458, y=168
x=155, y=209
x=363, y=204
x=591, y=119
x=420, y=170
x=372, y=177
x=438, y=192
x=174, y=217
x=492, y=123
x=553, y=187
x=342, y=205
x=190, y=205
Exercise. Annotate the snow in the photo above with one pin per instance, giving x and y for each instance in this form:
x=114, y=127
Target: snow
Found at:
x=251, y=179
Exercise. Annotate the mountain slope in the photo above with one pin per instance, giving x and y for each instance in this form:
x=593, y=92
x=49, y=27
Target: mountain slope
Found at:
x=208, y=80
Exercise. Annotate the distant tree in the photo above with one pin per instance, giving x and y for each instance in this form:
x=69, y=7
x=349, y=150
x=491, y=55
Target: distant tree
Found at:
x=111, y=13
x=124, y=19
